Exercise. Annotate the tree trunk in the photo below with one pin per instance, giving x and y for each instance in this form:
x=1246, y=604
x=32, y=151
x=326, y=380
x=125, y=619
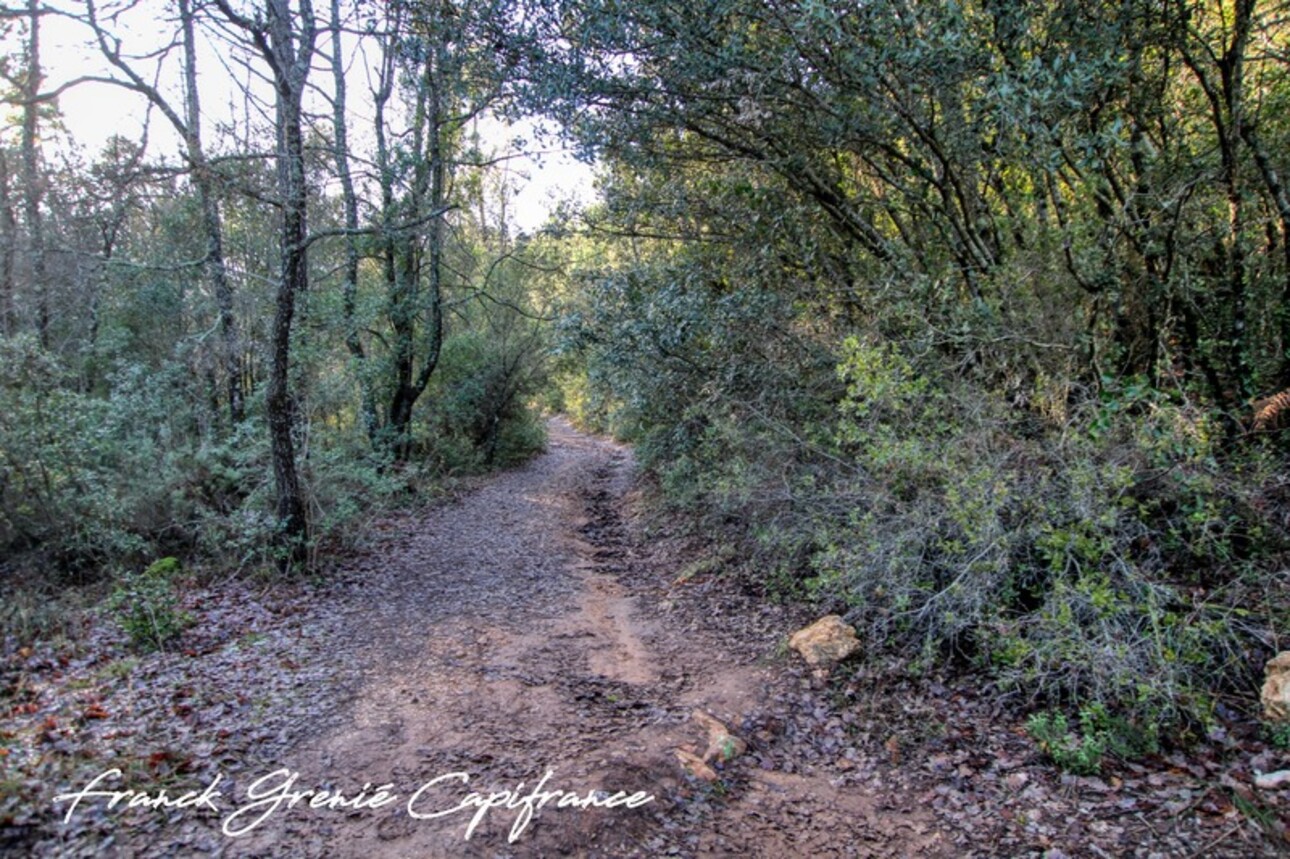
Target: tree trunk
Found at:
x=431, y=181
x=349, y=202
x=33, y=181
x=287, y=48
x=1232, y=74
x=403, y=254
x=8, y=249
x=203, y=179
x=1226, y=100
x=290, y=70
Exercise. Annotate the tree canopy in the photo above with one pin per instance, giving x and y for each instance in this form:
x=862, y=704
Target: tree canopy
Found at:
x=969, y=320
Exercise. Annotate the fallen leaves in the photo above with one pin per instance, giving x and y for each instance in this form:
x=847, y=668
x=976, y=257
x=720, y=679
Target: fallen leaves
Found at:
x=257, y=667
x=893, y=749
x=72, y=713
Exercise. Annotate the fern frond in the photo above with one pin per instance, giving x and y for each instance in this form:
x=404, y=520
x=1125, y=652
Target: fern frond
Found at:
x=1270, y=413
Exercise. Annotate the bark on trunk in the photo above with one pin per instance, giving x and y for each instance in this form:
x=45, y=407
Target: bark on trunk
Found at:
x=290, y=61
x=33, y=181
x=286, y=44
x=349, y=202
x=8, y=249
x=216, y=270
x=429, y=191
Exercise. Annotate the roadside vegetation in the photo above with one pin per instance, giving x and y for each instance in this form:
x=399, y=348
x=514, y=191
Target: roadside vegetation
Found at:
x=969, y=321
x=966, y=321
x=225, y=349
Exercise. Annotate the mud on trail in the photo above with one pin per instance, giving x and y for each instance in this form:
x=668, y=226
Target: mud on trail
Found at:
x=531, y=628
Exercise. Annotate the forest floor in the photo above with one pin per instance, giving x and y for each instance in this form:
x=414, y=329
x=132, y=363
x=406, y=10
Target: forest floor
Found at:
x=537, y=624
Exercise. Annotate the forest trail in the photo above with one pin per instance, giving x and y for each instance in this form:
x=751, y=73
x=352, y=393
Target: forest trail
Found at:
x=539, y=624
x=529, y=628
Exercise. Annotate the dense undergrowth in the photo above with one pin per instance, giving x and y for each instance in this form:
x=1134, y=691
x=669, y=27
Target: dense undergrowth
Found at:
x=956, y=318
x=96, y=486
x=1107, y=550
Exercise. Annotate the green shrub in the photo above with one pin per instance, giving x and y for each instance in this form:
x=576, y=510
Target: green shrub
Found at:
x=1101, y=733
x=480, y=411
x=961, y=490
x=146, y=606
x=1123, y=738
x=1064, y=561
x=1097, y=553
x=1077, y=753
x=90, y=481
x=1278, y=734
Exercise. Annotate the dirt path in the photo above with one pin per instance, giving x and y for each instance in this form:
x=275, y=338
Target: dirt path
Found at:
x=528, y=629
x=538, y=625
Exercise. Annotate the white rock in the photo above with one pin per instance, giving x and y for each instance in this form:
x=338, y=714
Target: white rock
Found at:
x=1272, y=781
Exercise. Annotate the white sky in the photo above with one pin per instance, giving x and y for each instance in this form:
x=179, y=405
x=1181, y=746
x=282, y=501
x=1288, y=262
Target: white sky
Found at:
x=92, y=112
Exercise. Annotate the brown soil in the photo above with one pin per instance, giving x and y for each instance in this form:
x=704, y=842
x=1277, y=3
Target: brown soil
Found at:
x=529, y=629
x=539, y=624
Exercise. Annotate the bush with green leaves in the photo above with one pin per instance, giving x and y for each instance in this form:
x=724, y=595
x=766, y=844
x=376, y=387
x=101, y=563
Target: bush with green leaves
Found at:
x=1100, y=734
x=1079, y=753
x=1066, y=562
x=146, y=605
x=1277, y=734
x=93, y=480
x=1097, y=550
x=480, y=409
x=85, y=478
